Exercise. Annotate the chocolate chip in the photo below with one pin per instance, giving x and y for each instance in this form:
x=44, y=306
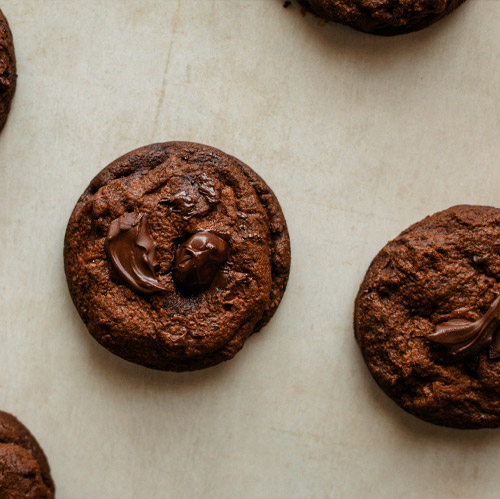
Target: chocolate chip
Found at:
x=197, y=260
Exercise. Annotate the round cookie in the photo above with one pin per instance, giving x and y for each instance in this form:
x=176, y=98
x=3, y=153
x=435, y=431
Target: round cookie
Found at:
x=24, y=469
x=382, y=17
x=427, y=318
x=8, y=74
x=173, y=258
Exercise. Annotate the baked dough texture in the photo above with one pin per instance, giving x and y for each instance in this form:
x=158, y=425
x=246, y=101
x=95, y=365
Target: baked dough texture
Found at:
x=24, y=469
x=8, y=74
x=444, y=268
x=382, y=17
x=182, y=189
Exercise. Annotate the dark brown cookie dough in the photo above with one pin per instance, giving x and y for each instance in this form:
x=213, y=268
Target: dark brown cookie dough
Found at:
x=280, y=242
x=415, y=318
x=382, y=17
x=7, y=70
x=175, y=254
x=24, y=469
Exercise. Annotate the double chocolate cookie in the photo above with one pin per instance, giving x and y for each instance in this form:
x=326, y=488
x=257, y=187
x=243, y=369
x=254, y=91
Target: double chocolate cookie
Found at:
x=427, y=318
x=24, y=469
x=382, y=17
x=175, y=254
x=7, y=70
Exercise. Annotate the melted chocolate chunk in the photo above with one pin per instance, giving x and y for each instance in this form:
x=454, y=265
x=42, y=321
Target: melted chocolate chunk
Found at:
x=462, y=339
x=131, y=250
x=194, y=196
x=197, y=261
x=479, y=259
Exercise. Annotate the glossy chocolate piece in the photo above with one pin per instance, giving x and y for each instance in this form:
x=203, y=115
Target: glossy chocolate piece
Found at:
x=462, y=339
x=197, y=261
x=131, y=250
x=195, y=196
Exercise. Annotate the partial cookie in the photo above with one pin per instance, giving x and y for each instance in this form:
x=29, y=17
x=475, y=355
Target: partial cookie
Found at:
x=173, y=258
x=427, y=318
x=24, y=469
x=8, y=74
x=382, y=17
x=280, y=243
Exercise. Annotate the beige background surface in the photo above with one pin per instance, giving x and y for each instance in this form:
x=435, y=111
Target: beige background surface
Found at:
x=359, y=137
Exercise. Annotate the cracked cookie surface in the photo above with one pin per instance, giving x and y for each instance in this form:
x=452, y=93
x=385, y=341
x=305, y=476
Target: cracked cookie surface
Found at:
x=382, y=17
x=175, y=191
x=443, y=268
x=24, y=469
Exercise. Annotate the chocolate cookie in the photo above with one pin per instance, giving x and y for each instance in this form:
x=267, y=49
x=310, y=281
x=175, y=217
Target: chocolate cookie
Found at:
x=175, y=254
x=24, y=469
x=7, y=70
x=427, y=318
x=280, y=242
x=382, y=17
